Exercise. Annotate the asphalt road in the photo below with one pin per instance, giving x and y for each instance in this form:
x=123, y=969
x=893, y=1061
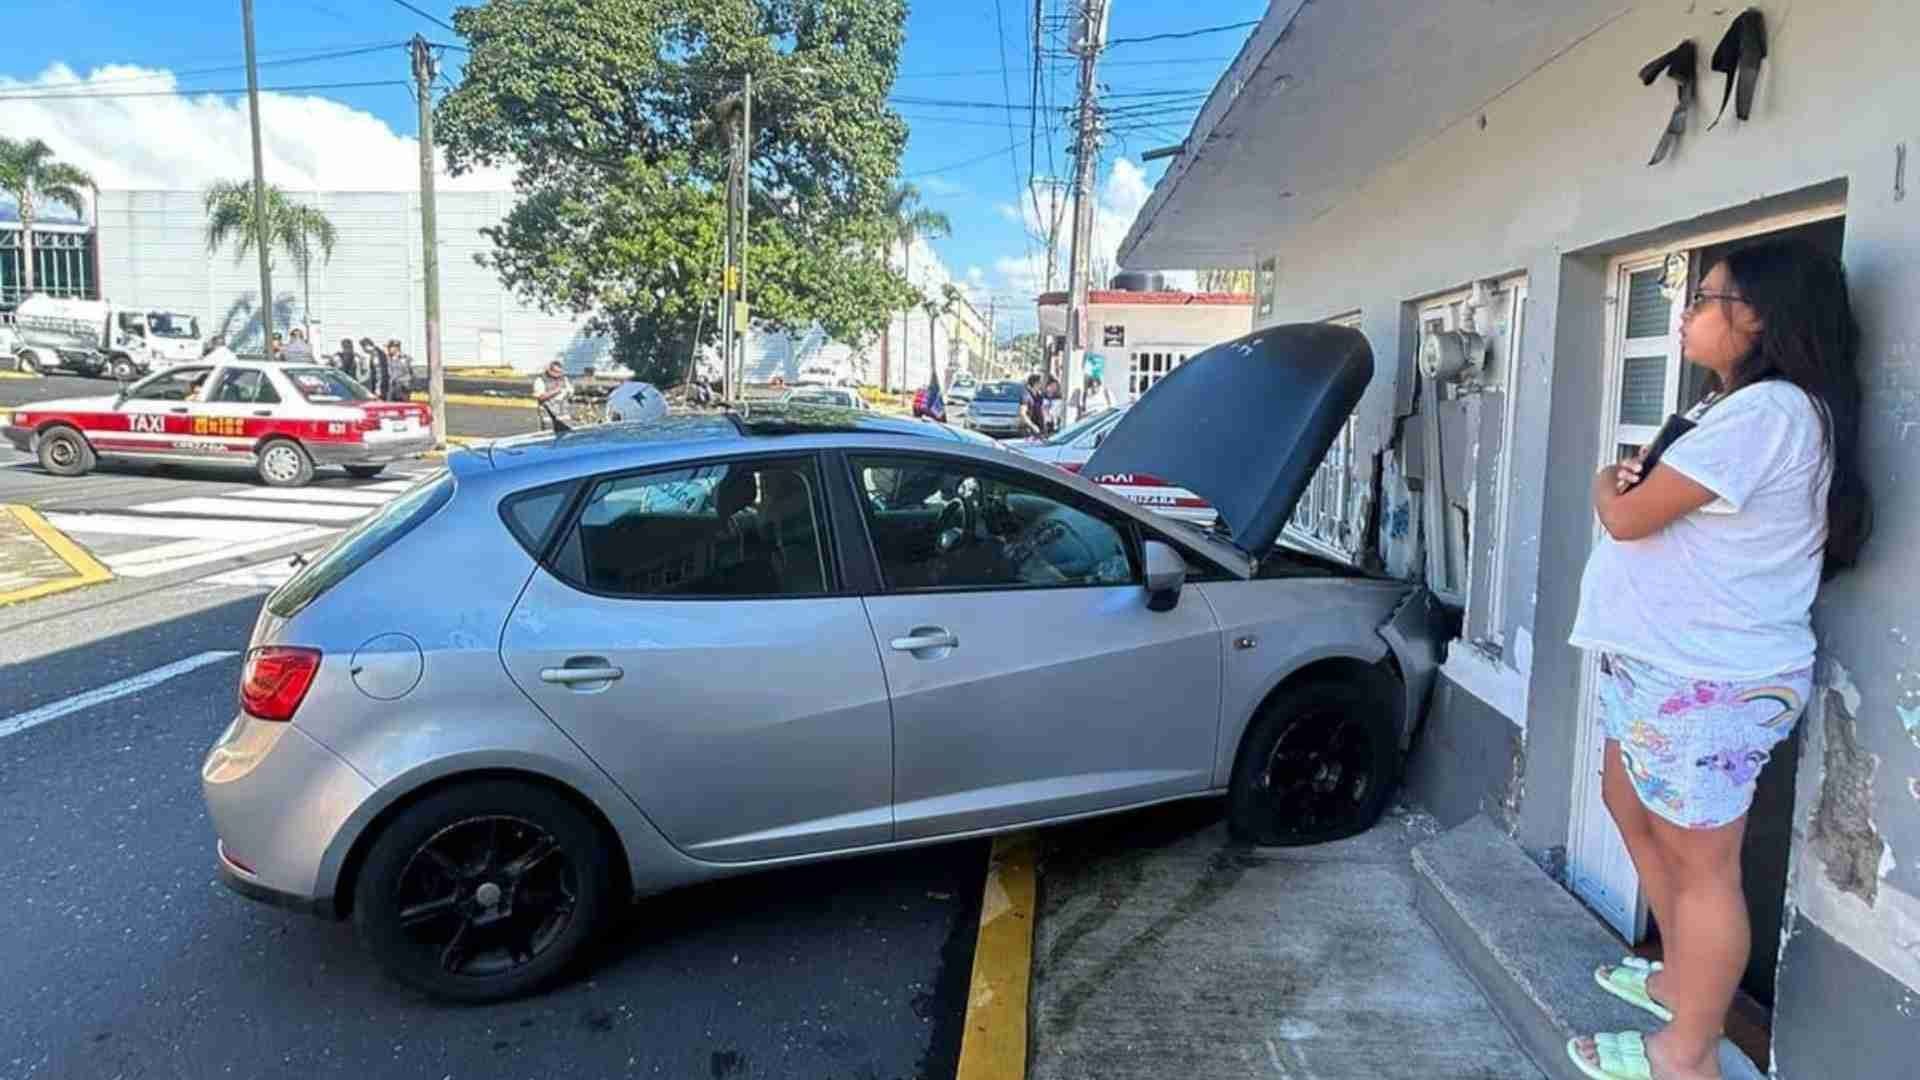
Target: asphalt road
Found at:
x=126, y=958
x=471, y=421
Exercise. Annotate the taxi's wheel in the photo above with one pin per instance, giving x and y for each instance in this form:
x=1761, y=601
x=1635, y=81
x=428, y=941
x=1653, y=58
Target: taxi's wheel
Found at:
x=284, y=464
x=64, y=452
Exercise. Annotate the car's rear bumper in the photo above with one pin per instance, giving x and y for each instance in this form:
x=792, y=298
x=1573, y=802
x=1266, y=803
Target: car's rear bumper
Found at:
x=21, y=438
x=376, y=448
x=988, y=424
x=278, y=801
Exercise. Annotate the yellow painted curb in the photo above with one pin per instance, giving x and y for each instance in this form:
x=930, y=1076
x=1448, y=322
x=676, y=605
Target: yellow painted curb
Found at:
x=19, y=374
x=86, y=569
x=480, y=399
x=994, y=1044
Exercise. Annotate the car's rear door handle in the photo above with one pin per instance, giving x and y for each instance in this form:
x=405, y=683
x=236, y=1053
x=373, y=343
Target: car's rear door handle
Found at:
x=181, y=409
x=569, y=676
x=263, y=412
x=924, y=638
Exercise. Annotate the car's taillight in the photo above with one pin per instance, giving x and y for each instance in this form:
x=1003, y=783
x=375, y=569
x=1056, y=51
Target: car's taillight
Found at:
x=1071, y=466
x=276, y=679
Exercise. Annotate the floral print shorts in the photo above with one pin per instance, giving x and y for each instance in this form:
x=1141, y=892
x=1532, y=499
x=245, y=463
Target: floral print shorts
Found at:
x=1694, y=748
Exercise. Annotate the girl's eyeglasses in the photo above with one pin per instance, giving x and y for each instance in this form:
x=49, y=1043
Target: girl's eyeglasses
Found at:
x=1701, y=296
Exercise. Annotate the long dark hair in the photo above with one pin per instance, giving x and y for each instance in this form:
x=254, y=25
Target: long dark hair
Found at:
x=1811, y=340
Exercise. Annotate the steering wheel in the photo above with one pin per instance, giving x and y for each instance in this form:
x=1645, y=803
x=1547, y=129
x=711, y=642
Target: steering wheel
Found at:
x=954, y=528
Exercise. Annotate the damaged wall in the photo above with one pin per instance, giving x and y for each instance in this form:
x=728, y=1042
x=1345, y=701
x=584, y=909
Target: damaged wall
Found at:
x=1551, y=179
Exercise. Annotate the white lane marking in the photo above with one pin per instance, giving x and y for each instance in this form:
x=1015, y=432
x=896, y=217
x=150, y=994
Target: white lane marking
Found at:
x=19, y=722
x=182, y=528
x=245, y=508
x=319, y=495
x=395, y=486
x=229, y=551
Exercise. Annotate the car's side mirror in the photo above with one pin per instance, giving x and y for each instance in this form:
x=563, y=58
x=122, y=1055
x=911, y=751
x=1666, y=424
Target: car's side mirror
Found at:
x=1166, y=574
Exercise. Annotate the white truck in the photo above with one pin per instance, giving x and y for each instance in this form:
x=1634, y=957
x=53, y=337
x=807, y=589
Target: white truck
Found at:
x=99, y=337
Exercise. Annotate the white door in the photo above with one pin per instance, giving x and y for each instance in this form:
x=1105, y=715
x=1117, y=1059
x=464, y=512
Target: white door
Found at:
x=1643, y=387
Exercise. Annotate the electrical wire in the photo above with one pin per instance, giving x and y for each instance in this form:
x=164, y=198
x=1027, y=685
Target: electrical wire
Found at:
x=1184, y=34
x=199, y=93
x=1010, y=148
x=1006, y=96
x=429, y=16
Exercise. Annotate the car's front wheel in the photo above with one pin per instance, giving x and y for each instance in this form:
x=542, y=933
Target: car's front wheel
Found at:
x=1320, y=763
x=64, y=452
x=284, y=464
x=484, y=891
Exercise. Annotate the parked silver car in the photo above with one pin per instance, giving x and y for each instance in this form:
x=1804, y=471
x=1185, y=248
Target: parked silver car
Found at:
x=572, y=670
x=994, y=408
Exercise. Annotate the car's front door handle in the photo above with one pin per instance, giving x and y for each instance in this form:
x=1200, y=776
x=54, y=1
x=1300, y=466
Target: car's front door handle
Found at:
x=182, y=410
x=568, y=676
x=924, y=638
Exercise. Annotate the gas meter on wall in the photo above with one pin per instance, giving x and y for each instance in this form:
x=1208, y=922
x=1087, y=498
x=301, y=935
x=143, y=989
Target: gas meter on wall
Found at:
x=1452, y=355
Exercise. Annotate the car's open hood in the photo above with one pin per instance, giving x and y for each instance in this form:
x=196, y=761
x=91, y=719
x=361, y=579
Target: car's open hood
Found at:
x=1245, y=423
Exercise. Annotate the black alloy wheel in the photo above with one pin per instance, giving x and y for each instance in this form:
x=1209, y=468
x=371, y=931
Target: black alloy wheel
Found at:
x=1320, y=763
x=483, y=892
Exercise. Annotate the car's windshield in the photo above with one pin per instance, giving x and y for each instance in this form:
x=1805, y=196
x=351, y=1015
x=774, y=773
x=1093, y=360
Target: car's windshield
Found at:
x=820, y=397
x=168, y=324
x=1000, y=391
x=319, y=385
x=1072, y=434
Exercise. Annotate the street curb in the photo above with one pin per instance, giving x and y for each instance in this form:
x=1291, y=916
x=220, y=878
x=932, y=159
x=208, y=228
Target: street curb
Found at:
x=481, y=400
x=19, y=375
x=993, y=1043
x=86, y=569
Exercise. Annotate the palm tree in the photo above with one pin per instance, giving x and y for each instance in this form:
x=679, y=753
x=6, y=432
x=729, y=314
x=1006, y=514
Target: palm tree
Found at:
x=907, y=221
x=295, y=228
x=29, y=173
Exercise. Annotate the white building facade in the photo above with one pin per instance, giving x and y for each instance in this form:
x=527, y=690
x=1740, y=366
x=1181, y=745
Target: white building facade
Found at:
x=1487, y=174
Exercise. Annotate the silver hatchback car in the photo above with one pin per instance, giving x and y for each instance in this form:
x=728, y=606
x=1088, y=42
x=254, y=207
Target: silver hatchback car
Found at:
x=579, y=669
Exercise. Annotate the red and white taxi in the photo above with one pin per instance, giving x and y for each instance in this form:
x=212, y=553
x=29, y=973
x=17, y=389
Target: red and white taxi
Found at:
x=1072, y=446
x=282, y=420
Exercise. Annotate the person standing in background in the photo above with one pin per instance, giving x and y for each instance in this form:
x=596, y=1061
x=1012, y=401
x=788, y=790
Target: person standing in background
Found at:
x=345, y=361
x=297, y=351
x=1033, y=409
x=399, y=373
x=217, y=351
x=376, y=368
x=277, y=350
x=553, y=391
x=1055, y=406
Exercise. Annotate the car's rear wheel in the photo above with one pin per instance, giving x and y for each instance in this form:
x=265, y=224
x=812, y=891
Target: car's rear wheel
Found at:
x=484, y=891
x=64, y=452
x=283, y=463
x=1320, y=763
x=25, y=363
x=364, y=472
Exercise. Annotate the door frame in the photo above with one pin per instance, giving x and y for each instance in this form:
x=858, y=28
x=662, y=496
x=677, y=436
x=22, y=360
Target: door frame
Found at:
x=1598, y=869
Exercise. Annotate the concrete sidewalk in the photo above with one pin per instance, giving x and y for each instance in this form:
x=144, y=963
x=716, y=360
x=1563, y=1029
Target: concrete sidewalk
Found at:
x=1164, y=950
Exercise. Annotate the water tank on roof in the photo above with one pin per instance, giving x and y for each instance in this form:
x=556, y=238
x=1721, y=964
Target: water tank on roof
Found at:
x=1140, y=281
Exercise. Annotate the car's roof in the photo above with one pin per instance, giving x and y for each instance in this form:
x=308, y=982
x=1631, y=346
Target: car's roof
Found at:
x=759, y=424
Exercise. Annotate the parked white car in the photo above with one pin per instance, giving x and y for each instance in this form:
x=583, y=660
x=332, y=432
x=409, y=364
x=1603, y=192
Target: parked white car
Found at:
x=1072, y=446
x=839, y=396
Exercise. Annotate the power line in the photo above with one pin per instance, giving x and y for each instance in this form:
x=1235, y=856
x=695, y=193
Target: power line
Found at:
x=1184, y=34
x=287, y=60
x=198, y=93
x=952, y=165
x=1006, y=96
x=434, y=19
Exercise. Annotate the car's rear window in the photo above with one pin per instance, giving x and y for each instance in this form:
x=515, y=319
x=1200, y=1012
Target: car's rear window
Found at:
x=321, y=385
x=361, y=543
x=1007, y=391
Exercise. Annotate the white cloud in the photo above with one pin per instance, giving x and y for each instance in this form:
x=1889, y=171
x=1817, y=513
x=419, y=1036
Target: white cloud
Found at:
x=186, y=142
x=947, y=189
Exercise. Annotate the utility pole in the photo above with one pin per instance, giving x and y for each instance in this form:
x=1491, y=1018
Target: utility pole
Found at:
x=1088, y=43
x=430, y=240
x=746, y=195
x=260, y=230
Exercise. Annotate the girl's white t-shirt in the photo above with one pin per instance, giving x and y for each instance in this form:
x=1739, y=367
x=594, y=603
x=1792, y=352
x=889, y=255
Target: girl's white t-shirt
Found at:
x=1725, y=592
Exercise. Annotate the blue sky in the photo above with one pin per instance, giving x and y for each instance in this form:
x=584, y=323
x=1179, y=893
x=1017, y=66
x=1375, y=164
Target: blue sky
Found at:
x=958, y=154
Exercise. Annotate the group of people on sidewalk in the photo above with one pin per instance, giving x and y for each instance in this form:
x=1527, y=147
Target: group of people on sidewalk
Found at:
x=387, y=370
x=1043, y=411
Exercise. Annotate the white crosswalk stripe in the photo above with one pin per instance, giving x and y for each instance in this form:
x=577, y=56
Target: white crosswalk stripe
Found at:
x=168, y=536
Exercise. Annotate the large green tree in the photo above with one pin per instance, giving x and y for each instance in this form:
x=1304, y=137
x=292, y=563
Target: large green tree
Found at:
x=618, y=119
x=30, y=173
x=301, y=231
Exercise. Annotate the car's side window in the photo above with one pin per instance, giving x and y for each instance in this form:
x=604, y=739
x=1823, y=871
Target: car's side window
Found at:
x=949, y=524
x=175, y=385
x=724, y=529
x=244, y=386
